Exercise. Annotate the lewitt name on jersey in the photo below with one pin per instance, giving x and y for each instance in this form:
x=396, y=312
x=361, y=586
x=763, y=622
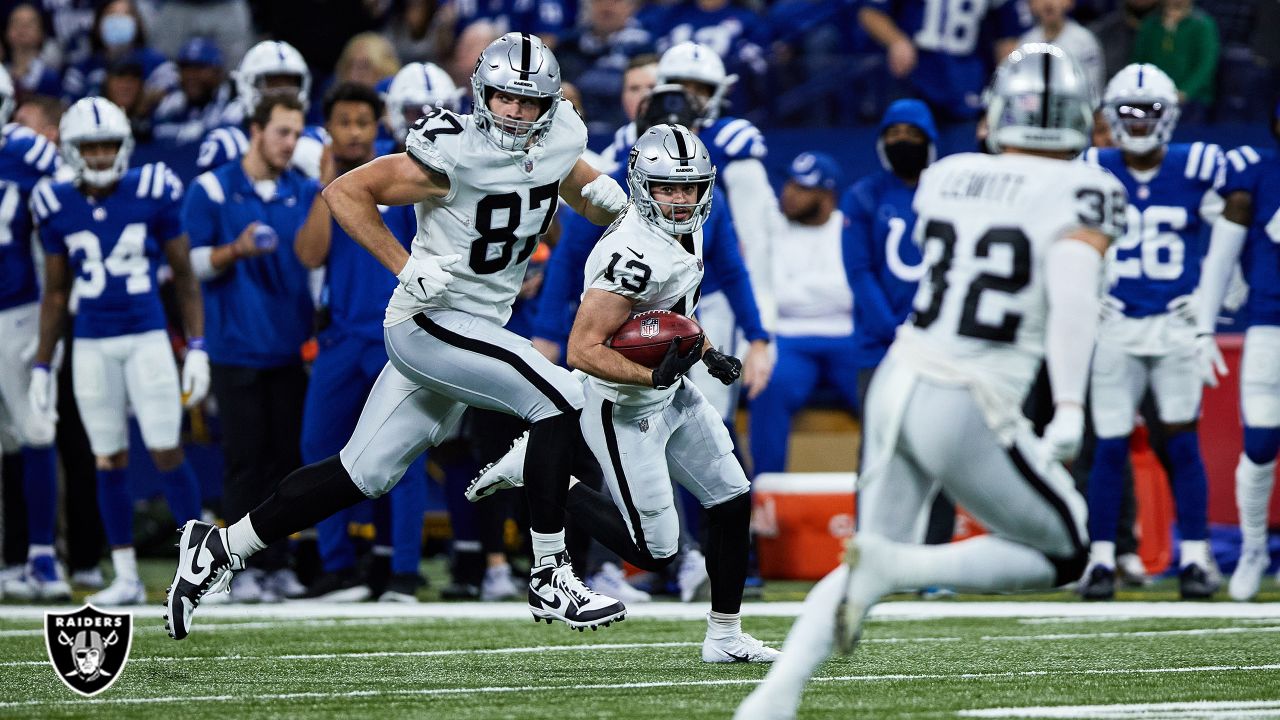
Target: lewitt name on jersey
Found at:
x=995, y=187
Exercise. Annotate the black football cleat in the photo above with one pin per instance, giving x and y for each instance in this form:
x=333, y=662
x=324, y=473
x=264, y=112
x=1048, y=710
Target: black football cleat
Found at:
x=204, y=566
x=1195, y=583
x=1099, y=583
x=556, y=593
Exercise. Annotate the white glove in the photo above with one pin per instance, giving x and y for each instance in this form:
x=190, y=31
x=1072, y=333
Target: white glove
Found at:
x=605, y=193
x=1209, y=359
x=42, y=394
x=1063, y=434
x=1184, y=308
x=195, y=377
x=425, y=278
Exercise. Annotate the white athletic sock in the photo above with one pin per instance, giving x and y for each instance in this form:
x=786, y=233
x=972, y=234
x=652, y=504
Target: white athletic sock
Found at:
x=35, y=551
x=1103, y=552
x=808, y=644
x=125, y=561
x=1193, y=552
x=722, y=626
x=545, y=544
x=242, y=541
x=983, y=564
x=1253, y=494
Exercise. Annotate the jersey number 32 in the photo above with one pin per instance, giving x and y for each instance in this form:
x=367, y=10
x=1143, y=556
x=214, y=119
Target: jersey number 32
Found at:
x=1015, y=245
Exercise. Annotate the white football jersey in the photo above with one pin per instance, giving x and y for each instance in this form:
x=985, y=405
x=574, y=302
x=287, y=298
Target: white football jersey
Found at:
x=985, y=224
x=499, y=203
x=652, y=269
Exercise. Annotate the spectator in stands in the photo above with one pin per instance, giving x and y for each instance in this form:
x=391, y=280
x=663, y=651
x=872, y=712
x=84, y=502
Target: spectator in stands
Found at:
x=596, y=56
x=24, y=48
x=1054, y=26
x=545, y=18
x=42, y=114
x=367, y=60
x=471, y=42
x=118, y=36
x=71, y=23
x=734, y=32
x=1182, y=40
x=225, y=22
x=422, y=32
x=1117, y=30
x=242, y=218
x=945, y=61
x=123, y=85
x=815, y=308
x=200, y=101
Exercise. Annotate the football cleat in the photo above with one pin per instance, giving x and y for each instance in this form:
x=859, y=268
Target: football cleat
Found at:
x=740, y=648
x=556, y=593
x=498, y=585
x=402, y=588
x=692, y=576
x=251, y=587
x=204, y=566
x=88, y=579
x=121, y=591
x=1130, y=571
x=507, y=472
x=1099, y=583
x=284, y=583
x=1248, y=575
x=867, y=582
x=611, y=581
x=342, y=586
x=1195, y=583
x=40, y=581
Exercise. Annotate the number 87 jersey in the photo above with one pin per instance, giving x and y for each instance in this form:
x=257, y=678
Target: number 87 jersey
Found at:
x=499, y=203
x=985, y=225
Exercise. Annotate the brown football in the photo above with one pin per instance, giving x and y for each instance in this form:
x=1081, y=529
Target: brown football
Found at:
x=644, y=338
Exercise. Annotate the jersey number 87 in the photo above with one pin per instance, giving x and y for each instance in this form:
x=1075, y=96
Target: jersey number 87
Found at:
x=493, y=251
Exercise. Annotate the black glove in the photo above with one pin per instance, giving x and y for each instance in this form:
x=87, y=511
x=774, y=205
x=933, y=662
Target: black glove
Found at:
x=675, y=364
x=725, y=368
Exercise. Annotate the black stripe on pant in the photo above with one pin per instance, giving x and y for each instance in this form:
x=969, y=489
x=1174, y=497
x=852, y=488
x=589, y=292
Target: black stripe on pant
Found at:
x=615, y=459
x=1068, y=569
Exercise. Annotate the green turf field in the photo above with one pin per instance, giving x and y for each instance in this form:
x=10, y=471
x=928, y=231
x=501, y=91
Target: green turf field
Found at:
x=910, y=665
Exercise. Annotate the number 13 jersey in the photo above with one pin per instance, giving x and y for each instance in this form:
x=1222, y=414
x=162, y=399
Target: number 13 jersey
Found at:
x=985, y=226
x=499, y=203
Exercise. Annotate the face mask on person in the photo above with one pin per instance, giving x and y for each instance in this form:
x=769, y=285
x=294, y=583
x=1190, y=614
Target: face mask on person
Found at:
x=908, y=159
x=119, y=30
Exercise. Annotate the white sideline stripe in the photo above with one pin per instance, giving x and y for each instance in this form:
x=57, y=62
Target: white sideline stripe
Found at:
x=630, y=686
x=904, y=610
x=638, y=646
x=254, y=625
x=1149, y=711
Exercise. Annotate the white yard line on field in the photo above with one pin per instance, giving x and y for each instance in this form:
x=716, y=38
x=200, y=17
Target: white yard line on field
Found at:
x=1147, y=711
x=428, y=692
x=250, y=625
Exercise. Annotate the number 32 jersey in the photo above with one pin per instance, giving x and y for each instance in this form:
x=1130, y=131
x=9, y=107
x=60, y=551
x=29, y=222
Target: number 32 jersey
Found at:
x=499, y=202
x=113, y=247
x=985, y=224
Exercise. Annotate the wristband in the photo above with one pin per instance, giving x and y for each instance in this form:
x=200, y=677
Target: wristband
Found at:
x=195, y=343
x=40, y=366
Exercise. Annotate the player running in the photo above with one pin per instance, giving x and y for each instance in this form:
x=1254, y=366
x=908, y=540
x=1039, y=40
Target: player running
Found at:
x=105, y=233
x=1147, y=338
x=1014, y=246
x=486, y=186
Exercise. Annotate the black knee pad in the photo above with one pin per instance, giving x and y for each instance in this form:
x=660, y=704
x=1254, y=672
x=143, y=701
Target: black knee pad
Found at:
x=738, y=509
x=1069, y=569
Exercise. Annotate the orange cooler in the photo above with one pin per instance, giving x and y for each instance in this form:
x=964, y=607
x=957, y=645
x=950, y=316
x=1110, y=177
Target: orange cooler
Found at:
x=801, y=521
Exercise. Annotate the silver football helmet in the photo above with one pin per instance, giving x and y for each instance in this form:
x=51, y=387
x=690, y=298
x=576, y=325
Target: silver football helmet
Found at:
x=95, y=119
x=6, y=96
x=416, y=88
x=1039, y=99
x=518, y=64
x=670, y=154
x=1141, y=106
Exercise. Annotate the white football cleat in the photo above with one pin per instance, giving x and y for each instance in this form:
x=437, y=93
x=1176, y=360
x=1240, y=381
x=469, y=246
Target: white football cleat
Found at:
x=611, y=581
x=866, y=557
x=121, y=591
x=498, y=585
x=556, y=593
x=1248, y=575
x=507, y=472
x=740, y=648
x=692, y=577
x=89, y=579
x=1131, y=571
x=40, y=581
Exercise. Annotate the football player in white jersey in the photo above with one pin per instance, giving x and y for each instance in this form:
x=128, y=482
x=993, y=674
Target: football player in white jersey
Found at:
x=1014, y=245
x=485, y=186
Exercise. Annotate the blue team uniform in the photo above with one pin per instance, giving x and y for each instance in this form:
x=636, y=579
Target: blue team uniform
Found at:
x=954, y=47
x=1258, y=173
x=259, y=311
x=727, y=139
x=25, y=158
x=1158, y=260
x=540, y=17
x=114, y=247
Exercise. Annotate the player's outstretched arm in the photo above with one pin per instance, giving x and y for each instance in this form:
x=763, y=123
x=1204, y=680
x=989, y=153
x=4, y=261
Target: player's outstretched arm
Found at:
x=593, y=195
x=599, y=315
x=390, y=180
x=314, y=238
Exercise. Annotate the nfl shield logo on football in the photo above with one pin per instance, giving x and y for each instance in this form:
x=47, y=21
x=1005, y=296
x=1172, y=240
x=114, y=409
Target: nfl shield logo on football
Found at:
x=649, y=327
x=89, y=647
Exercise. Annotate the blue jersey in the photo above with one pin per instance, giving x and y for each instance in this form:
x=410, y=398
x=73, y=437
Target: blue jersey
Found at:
x=1158, y=258
x=113, y=247
x=223, y=144
x=25, y=157
x=359, y=286
x=954, y=43
x=725, y=30
x=882, y=261
x=530, y=16
x=1258, y=173
x=729, y=139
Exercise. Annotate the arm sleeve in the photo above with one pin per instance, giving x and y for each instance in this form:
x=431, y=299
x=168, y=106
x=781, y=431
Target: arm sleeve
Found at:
x=1225, y=243
x=1073, y=271
x=869, y=298
x=725, y=261
x=755, y=216
x=197, y=219
x=562, y=283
